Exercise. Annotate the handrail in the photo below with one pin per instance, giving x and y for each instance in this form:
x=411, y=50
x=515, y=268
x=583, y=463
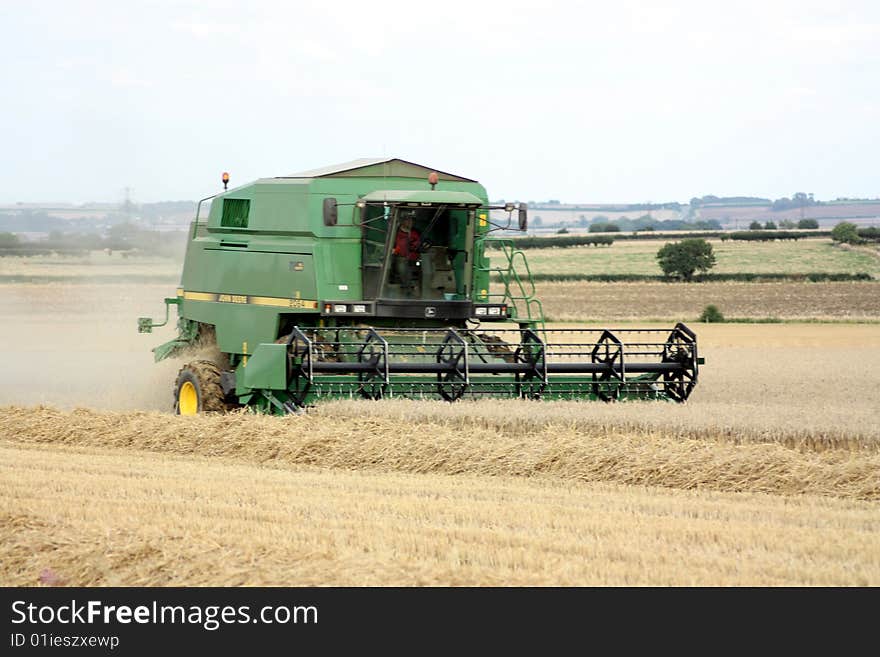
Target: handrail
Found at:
x=523, y=285
x=198, y=210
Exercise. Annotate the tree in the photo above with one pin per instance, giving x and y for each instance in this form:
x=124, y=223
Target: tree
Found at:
x=711, y=314
x=124, y=231
x=756, y=225
x=870, y=234
x=808, y=224
x=846, y=233
x=783, y=203
x=8, y=239
x=683, y=259
x=770, y=225
x=787, y=224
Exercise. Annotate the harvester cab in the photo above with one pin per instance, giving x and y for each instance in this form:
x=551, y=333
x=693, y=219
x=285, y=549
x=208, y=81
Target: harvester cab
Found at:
x=372, y=279
x=417, y=255
x=413, y=253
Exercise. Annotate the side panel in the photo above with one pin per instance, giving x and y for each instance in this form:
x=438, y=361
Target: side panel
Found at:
x=267, y=368
x=337, y=264
x=240, y=271
x=283, y=210
x=239, y=327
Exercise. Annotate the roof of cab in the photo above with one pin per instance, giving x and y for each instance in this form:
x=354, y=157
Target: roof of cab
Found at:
x=376, y=167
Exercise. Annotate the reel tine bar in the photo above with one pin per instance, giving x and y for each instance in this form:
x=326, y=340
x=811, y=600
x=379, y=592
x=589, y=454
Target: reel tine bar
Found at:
x=608, y=351
x=453, y=383
x=532, y=351
x=368, y=386
x=681, y=348
x=300, y=365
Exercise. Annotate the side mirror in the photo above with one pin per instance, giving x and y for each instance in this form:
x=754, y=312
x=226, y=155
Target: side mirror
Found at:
x=331, y=212
x=523, y=216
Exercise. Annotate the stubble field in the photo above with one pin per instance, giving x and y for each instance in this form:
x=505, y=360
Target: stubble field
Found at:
x=769, y=475
x=784, y=301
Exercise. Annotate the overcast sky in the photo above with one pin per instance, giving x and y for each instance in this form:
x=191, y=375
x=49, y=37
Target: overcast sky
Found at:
x=577, y=101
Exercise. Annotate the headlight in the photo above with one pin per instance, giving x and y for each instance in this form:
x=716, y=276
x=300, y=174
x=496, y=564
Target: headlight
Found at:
x=481, y=311
x=340, y=308
x=358, y=308
x=494, y=310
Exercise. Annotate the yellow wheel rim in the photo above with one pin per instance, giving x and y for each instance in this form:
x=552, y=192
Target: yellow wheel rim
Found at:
x=187, y=399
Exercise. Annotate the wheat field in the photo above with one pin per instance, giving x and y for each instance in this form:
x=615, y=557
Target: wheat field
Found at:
x=111, y=516
x=769, y=475
x=776, y=489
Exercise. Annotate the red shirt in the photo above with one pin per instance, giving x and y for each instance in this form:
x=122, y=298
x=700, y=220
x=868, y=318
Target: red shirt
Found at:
x=407, y=244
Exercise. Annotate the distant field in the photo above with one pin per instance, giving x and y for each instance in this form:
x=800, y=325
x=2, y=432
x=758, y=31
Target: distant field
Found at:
x=127, y=288
x=563, y=215
x=623, y=257
x=639, y=257
x=96, y=267
x=827, y=214
x=584, y=301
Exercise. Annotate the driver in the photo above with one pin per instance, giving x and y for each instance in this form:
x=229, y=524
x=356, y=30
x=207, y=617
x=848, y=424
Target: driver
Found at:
x=406, y=251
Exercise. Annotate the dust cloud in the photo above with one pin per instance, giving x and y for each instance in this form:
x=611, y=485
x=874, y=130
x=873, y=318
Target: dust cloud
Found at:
x=76, y=344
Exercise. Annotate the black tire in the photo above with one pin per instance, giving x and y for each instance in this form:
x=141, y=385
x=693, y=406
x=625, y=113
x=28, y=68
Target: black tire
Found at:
x=204, y=377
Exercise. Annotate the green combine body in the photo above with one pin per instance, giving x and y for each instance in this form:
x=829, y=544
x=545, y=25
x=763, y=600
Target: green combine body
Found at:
x=372, y=279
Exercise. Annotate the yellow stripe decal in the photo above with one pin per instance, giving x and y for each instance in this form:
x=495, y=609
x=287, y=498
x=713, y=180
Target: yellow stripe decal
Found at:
x=283, y=303
x=199, y=296
x=275, y=302
x=180, y=291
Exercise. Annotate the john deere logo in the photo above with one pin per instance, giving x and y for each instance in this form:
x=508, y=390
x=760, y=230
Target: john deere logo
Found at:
x=430, y=311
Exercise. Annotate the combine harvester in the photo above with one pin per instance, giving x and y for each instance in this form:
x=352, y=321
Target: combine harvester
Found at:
x=372, y=279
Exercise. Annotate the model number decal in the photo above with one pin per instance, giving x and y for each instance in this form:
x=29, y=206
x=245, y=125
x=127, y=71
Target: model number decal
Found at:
x=232, y=298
